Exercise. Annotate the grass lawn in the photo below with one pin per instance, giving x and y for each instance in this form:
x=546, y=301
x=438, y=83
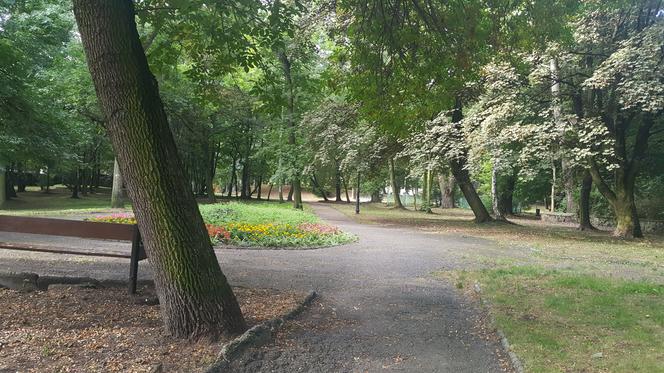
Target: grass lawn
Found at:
x=563, y=321
x=58, y=202
x=568, y=301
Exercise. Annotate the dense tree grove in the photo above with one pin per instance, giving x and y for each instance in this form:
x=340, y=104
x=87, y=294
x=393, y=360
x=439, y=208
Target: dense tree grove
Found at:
x=493, y=105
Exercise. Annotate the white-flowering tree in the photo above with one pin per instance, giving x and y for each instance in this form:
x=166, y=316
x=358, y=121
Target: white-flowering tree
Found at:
x=328, y=128
x=620, y=105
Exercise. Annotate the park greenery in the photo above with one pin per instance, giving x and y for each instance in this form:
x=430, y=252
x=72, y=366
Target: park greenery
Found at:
x=498, y=106
x=256, y=225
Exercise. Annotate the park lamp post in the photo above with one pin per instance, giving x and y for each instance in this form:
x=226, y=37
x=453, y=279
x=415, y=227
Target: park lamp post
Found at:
x=357, y=194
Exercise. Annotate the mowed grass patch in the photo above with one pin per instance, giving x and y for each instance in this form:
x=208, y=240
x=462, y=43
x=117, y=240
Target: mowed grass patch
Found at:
x=58, y=202
x=561, y=321
x=255, y=212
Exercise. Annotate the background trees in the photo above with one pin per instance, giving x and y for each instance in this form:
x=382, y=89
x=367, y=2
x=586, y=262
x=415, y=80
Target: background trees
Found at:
x=486, y=99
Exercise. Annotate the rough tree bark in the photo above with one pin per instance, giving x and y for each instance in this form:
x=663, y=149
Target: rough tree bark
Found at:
x=621, y=195
x=584, y=202
x=195, y=298
x=447, y=183
x=461, y=175
x=117, y=196
x=395, y=186
x=495, y=199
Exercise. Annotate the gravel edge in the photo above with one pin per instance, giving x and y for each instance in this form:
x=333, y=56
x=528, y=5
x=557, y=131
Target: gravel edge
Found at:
x=258, y=335
x=514, y=359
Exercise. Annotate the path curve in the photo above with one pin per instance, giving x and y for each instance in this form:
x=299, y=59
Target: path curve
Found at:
x=380, y=307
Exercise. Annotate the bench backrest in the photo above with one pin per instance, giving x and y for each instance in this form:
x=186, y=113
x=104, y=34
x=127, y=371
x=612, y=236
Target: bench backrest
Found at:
x=70, y=228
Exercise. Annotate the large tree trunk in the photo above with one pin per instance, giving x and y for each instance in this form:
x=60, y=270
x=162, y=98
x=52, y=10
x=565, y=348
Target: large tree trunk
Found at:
x=621, y=196
x=506, y=195
x=394, y=185
x=447, y=183
x=195, y=298
x=462, y=176
x=117, y=196
x=584, y=202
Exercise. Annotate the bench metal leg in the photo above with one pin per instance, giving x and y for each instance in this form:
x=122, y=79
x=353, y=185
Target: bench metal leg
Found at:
x=133, y=264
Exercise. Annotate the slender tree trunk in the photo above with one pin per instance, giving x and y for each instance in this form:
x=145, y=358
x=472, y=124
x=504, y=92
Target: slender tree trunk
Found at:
x=394, y=185
x=462, y=176
x=245, y=192
x=117, y=195
x=296, y=189
x=569, y=183
x=314, y=182
x=77, y=184
x=195, y=298
x=584, y=202
x=10, y=177
x=259, y=187
x=289, y=198
x=415, y=197
x=447, y=183
x=553, y=188
x=346, y=190
x=20, y=181
x=209, y=175
x=3, y=180
x=337, y=183
x=232, y=179
x=357, y=195
x=429, y=188
x=269, y=191
x=48, y=180
x=497, y=212
x=281, y=192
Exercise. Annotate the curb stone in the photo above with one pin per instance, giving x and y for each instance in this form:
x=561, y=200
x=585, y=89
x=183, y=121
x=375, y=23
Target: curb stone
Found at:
x=514, y=359
x=257, y=336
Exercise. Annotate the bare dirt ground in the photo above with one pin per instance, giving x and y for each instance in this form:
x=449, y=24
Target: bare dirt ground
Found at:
x=71, y=329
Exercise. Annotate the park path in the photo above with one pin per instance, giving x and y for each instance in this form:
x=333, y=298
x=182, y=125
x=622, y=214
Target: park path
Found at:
x=380, y=307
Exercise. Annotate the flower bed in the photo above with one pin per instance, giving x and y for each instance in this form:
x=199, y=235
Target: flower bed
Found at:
x=267, y=234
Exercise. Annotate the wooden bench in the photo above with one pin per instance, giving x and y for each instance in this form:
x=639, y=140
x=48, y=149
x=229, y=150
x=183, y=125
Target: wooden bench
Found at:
x=81, y=229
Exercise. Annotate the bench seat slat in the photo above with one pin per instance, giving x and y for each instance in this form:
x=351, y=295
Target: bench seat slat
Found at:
x=69, y=228
x=61, y=250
